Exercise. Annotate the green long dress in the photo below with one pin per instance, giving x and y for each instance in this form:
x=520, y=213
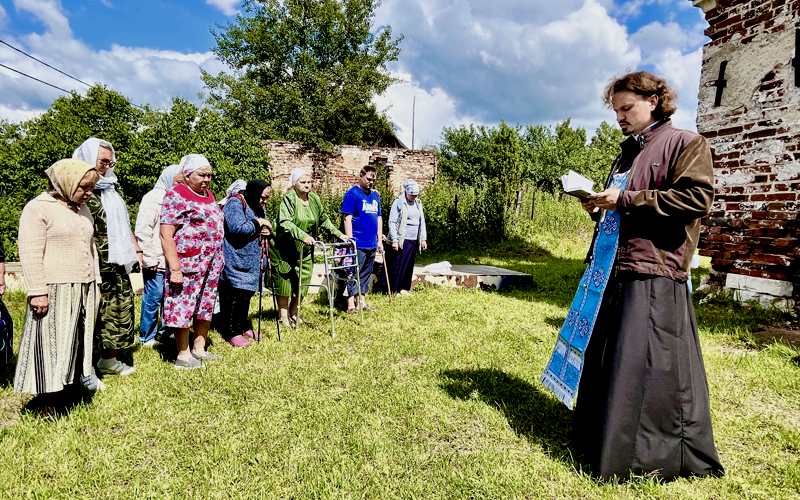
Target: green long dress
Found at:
x=114, y=326
x=297, y=219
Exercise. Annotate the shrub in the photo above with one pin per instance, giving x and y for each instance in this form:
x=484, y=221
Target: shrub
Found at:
x=462, y=216
x=544, y=212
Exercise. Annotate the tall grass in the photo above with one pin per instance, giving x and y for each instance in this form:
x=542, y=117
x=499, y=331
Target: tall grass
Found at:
x=544, y=212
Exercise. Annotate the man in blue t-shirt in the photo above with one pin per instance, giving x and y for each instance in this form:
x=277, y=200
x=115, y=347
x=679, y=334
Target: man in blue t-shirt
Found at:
x=361, y=208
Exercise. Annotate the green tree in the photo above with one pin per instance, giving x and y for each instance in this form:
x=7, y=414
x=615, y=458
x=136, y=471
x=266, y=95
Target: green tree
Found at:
x=28, y=148
x=506, y=161
x=604, y=147
x=145, y=141
x=464, y=154
x=164, y=137
x=538, y=156
x=306, y=70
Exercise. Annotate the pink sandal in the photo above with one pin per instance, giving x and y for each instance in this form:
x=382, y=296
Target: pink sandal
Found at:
x=249, y=334
x=239, y=341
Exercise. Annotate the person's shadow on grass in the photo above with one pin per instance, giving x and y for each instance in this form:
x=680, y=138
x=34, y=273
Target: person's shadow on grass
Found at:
x=60, y=404
x=529, y=411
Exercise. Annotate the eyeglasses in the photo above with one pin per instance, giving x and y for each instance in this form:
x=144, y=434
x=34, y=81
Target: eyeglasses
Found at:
x=108, y=163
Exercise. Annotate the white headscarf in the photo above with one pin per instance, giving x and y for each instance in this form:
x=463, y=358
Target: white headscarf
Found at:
x=120, y=238
x=411, y=187
x=167, y=177
x=192, y=162
x=297, y=173
x=238, y=186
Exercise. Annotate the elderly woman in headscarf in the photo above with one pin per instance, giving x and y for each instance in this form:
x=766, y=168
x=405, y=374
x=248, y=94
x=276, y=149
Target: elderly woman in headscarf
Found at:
x=245, y=226
x=118, y=251
x=148, y=234
x=407, y=235
x=192, y=229
x=61, y=274
x=300, y=218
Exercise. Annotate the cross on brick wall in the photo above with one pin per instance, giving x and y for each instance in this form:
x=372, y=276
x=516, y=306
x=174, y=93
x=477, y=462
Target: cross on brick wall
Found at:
x=720, y=83
x=796, y=59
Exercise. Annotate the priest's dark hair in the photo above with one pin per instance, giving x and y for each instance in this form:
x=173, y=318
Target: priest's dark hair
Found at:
x=645, y=84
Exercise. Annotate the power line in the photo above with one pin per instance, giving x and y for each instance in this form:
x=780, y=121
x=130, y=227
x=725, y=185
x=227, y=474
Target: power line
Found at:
x=49, y=66
x=34, y=78
x=43, y=62
x=52, y=85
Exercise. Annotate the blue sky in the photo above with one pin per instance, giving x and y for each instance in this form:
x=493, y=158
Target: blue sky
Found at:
x=465, y=61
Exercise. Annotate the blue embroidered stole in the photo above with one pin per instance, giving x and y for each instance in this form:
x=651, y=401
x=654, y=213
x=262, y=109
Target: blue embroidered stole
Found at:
x=563, y=373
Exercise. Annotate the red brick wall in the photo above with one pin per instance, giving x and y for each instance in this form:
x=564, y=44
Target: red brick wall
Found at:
x=755, y=136
x=337, y=171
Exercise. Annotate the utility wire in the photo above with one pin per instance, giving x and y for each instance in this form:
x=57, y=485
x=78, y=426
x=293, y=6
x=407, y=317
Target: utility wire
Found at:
x=34, y=78
x=49, y=66
x=52, y=85
x=43, y=62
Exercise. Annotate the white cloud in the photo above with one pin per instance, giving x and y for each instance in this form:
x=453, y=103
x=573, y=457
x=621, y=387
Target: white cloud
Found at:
x=656, y=37
x=227, y=7
x=466, y=61
x=515, y=60
x=3, y=16
x=633, y=8
x=531, y=61
x=434, y=110
x=48, y=12
x=144, y=75
x=676, y=53
x=18, y=115
x=683, y=73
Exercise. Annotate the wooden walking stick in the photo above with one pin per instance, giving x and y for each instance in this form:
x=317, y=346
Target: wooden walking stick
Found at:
x=386, y=270
x=265, y=253
x=260, y=287
x=272, y=289
x=300, y=282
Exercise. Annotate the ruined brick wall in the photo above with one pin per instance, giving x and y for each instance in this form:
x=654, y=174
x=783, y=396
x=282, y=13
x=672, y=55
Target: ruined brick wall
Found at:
x=337, y=171
x=752, y=233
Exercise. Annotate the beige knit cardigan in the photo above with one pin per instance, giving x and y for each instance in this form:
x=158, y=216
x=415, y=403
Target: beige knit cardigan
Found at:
x=56, y=245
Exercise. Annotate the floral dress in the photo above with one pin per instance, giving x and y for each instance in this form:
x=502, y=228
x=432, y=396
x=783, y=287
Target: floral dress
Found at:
x=198, y=238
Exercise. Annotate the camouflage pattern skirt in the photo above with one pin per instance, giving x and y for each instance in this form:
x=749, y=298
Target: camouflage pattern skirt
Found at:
x=115, y=318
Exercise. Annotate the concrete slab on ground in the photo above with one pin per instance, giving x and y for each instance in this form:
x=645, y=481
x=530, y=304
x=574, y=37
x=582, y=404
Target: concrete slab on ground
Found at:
x=474, y=276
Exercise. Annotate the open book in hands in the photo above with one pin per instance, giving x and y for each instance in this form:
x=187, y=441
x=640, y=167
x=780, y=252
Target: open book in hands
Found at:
x=577, y=185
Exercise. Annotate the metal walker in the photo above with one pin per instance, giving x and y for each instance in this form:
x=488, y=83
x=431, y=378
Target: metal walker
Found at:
x=335, y=261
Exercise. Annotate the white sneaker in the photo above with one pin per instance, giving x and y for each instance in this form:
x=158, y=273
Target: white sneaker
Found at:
x=405, y=292
x=113, y=366
x=92, y=383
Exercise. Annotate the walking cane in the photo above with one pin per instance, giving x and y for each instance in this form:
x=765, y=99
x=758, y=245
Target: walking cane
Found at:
x=272, y=289
x=260, y=286
x=386, y=271
x=300, y=281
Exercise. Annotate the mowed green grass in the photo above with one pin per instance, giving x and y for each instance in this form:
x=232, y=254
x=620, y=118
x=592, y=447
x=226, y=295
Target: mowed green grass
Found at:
x=434, y=395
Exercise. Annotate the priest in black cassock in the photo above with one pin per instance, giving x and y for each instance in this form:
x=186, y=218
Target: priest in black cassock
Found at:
x=643, y=403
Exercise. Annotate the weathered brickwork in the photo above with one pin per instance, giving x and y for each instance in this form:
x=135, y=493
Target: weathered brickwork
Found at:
x=337, y=171
x=755, y=135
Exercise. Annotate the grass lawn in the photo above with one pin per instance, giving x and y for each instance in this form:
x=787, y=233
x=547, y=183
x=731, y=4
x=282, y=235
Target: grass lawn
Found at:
x=433, y=396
